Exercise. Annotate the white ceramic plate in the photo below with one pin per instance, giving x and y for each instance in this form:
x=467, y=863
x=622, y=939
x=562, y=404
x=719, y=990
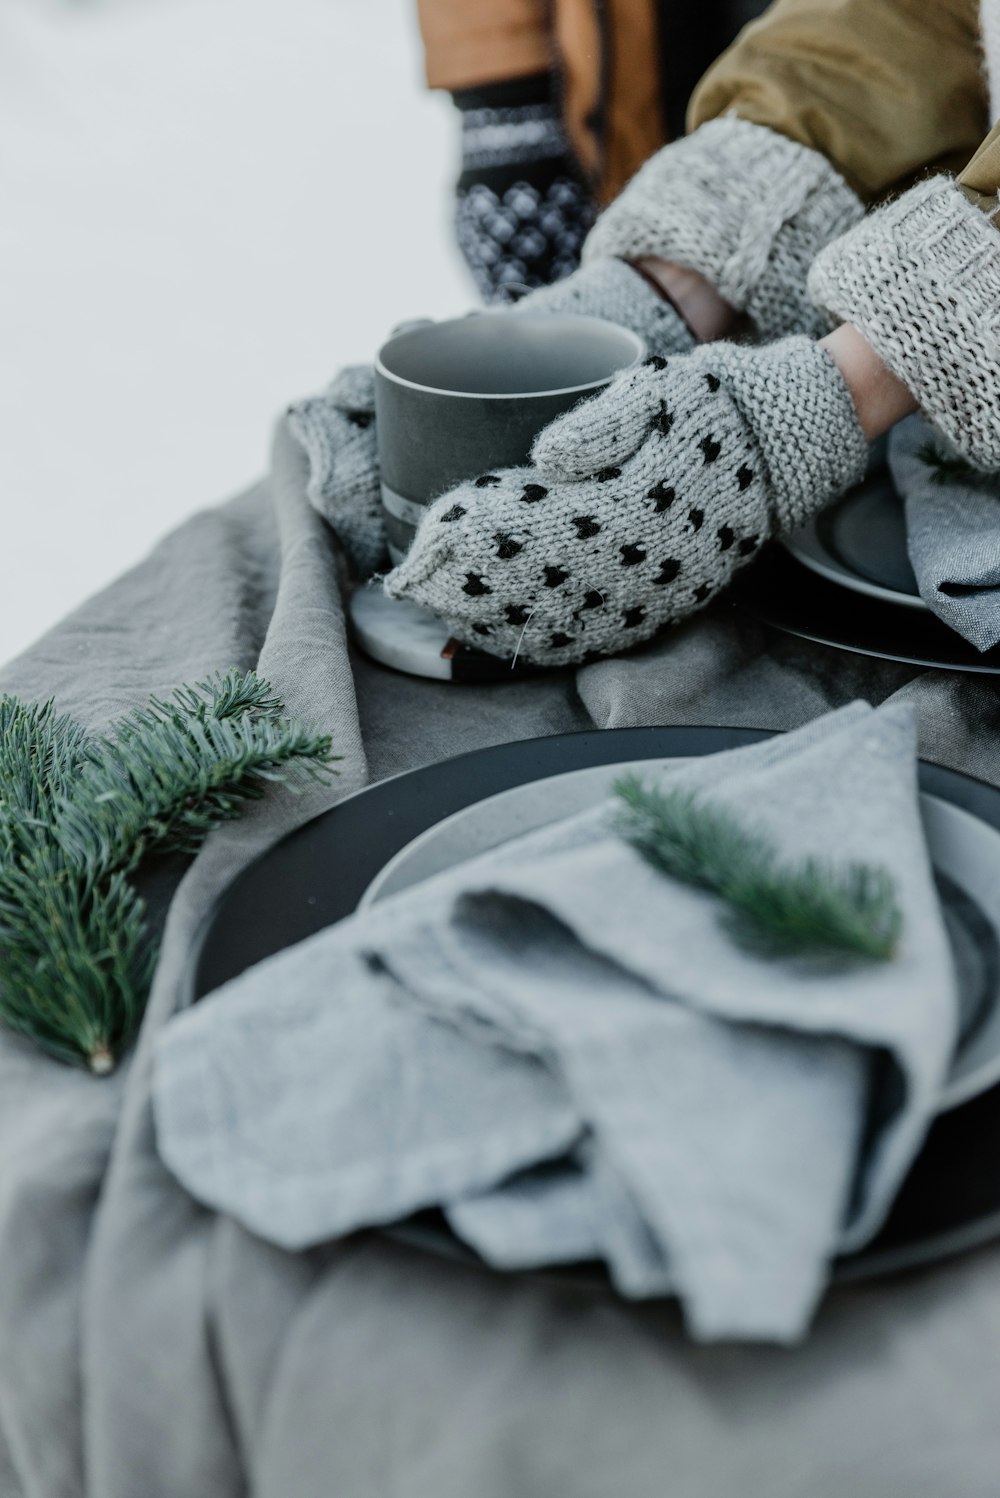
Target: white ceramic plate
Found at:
x=859, y=542
x=965, y=853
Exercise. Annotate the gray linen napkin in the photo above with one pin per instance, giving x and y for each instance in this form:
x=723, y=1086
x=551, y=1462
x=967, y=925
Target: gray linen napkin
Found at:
x=708, y=1117
x=953, y=533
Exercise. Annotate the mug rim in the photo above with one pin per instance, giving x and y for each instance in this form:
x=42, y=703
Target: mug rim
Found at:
x=641, y=349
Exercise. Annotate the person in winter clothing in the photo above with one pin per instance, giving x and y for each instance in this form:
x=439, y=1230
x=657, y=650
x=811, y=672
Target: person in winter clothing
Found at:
x=790, y=213
x=561, y=103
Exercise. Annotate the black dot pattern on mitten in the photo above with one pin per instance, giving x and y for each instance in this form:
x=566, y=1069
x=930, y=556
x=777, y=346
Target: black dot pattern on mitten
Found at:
x=488, y=481
x=362, y=419
x=455, y=513
x=655, y=361
x=668, y=571
x=663, y=420
x=601, y=566
x=481, y=628
x=663, y=495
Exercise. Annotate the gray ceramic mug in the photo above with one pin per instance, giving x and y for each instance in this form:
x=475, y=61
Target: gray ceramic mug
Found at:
x=456, y=399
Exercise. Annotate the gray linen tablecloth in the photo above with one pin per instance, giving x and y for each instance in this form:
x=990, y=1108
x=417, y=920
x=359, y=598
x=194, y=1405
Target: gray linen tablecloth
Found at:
x=150, y=1349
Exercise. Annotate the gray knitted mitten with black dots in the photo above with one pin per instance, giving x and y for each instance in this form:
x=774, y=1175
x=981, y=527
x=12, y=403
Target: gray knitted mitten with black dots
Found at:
x=337, y=428
x=641, y=505
x=747, y=208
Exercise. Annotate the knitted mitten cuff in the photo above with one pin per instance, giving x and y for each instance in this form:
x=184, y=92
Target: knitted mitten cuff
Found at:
x=747, y=208
x=337, y=431
x=811, y=440
x=920, y=278
x=612, y=289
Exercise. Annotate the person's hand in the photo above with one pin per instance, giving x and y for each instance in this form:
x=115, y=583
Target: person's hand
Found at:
x=743, y=206
x=337, y=430
x=616, y=291
x=640, y=504
x=918, y=281
x=522, y=204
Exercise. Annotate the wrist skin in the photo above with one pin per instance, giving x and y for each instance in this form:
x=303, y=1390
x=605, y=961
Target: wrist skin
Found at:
x=707, y=314
x=880, y=399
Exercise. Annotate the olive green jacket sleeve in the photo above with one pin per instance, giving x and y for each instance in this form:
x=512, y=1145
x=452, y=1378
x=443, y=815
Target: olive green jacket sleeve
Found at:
x=980, y=181
x=884, y=89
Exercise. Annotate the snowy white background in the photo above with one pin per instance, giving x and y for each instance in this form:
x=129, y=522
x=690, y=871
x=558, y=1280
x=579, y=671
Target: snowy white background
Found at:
x=206, y=206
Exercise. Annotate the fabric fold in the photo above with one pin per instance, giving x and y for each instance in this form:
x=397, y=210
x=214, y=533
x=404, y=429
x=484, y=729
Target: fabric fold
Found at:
x=952, y=530
x=608, y=1068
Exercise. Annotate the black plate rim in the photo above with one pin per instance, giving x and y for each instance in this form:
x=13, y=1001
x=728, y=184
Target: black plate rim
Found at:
x=768, y=591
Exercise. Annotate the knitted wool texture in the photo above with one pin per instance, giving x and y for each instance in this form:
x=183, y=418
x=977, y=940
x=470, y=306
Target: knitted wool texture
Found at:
x=612, y=289
x=921, y=279
x=337, y=428
x=522, y=211
x=642, y=504
x=747, y=208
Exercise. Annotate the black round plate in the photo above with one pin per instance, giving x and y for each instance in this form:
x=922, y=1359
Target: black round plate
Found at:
x=316, y=876
x=791, y=597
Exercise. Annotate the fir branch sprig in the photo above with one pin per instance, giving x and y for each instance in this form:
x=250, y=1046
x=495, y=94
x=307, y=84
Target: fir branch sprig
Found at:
x=948, y=469
x=774, y=908
x=78, y=814
x=168, y=773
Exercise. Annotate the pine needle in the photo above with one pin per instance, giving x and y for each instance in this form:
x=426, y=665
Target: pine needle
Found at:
x=775, y=909
x=78, y=814
x=954, y=470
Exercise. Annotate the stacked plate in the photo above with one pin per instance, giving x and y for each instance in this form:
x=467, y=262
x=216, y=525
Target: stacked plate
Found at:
x=393, y=835
x=845, y=579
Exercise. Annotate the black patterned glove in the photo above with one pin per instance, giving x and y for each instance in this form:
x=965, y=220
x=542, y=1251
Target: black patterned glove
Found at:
x=523, y=210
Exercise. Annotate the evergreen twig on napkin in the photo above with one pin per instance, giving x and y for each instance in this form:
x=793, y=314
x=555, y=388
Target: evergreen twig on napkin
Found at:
x=946, y=469
x=78, y=814
x=775, y=908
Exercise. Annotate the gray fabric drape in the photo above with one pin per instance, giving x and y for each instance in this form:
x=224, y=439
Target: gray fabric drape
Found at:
x=149, y=1347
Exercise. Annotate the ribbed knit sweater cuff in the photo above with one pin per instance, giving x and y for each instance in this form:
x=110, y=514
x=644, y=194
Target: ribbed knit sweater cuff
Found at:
x=797, y=404
x=746, y=207
x=920, y=278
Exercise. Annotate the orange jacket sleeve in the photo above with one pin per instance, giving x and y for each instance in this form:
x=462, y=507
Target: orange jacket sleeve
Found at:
x=471, y=42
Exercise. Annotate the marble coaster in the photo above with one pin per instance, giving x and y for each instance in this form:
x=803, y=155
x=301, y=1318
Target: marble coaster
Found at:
x=408, y=638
